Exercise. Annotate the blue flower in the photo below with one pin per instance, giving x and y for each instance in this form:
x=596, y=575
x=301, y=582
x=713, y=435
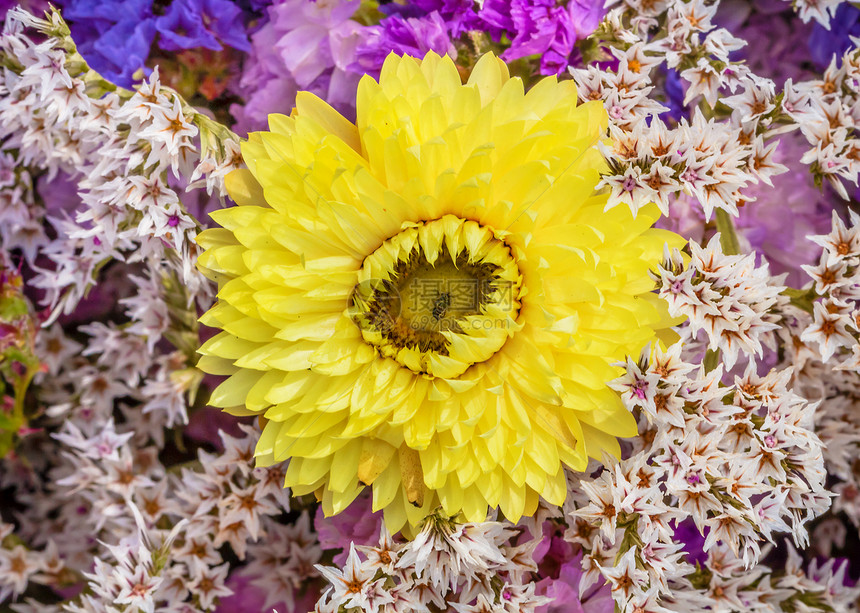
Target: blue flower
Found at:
x=824, y=44
x=202, y=23
x=675, y=95
x=114, y=36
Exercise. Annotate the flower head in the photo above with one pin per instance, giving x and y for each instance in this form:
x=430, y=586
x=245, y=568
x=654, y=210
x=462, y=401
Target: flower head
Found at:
x=431, y=301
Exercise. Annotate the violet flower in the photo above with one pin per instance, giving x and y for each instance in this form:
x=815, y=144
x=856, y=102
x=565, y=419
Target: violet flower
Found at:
x=495, y=17
x=688, y=534
x=245, y=597
x=777, y=223
x=674, y=89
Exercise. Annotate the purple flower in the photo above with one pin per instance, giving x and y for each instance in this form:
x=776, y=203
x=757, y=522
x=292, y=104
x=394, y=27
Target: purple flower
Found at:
x=202, y=23
x=687, y=533
x=60, y=194
x=245, y=596
x=585, y=15
x=542, y=28
x=304, y=46
x=114, y=36
x=458, y=15
x=772, y=33
x=274, y=96
x=495, y=16
x=411, y=36
x=303, y=29
x=777, y=223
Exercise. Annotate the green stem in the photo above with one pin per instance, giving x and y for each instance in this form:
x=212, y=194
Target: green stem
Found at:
x=728, y=236
x=20, y=389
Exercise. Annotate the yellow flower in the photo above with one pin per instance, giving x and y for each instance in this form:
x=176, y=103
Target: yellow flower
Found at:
x=430, y=301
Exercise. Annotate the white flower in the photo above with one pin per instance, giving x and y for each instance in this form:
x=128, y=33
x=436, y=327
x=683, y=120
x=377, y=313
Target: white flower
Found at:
x=208, y=584
x=104, y=446
x=728, y=527
x=628, y=188
x=661, y=179
x=842, y=243
x=828, y=329
x=761, y=161
x=138, y=589
x=728, y=297
x=704, y=81
x=604, y=503
x=821, y=11
x=54, y=348
x=246, y=506
x=17, y=565
x=756, y=100
x=446, y=552
x=384, y=556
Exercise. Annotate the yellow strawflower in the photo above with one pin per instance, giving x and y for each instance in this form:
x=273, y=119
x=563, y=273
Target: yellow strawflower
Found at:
x=429, y=301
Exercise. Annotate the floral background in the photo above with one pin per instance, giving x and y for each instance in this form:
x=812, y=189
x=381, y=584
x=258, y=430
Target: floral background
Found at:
x=122, y=490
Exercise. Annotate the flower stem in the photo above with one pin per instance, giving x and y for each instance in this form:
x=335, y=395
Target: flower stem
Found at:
x=20, y=390
x=728, y=236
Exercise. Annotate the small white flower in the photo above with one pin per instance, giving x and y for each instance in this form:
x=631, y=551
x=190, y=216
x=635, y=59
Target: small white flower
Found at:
x=704, y=81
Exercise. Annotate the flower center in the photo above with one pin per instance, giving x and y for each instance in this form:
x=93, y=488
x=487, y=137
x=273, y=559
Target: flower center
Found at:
x=439, y=296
